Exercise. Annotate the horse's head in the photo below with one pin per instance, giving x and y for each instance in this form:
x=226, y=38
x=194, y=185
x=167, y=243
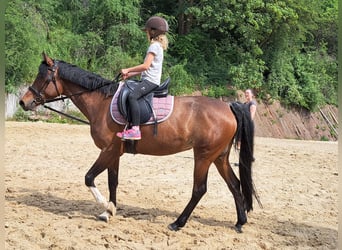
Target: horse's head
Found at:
x=46, y=85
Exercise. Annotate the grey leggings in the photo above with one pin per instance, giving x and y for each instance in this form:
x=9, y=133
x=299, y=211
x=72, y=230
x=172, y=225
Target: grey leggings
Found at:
x=142, y=89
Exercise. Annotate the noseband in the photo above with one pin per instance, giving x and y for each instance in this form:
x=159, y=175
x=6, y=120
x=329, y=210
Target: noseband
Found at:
x=39, y=99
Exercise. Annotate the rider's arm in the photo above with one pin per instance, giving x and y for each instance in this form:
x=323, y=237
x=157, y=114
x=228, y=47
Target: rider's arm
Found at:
x=133, y=71
x=252, y=109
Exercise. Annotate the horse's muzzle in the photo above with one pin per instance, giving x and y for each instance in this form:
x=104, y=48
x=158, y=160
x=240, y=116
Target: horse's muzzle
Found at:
x=22, y=104
x=30, y=105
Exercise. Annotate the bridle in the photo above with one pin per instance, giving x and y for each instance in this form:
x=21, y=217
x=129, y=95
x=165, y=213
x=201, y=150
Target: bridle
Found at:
x=39, y=99
x=38, y=94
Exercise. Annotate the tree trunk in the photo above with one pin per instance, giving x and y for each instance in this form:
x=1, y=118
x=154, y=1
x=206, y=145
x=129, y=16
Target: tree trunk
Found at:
x=184, y=21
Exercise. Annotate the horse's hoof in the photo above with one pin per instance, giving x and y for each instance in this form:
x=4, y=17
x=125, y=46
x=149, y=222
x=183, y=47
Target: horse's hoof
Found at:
x=111, y=209
x=104, y=216
x=238, y=228
x=173, y=227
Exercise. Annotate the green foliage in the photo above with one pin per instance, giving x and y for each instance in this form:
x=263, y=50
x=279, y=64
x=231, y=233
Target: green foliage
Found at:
x=304, y=79
x=324, y=138
x=218, y=91
x=181, y=81
x=109, y=65
x=21, y=115
x=23, y=34
x=285, y=49
x=248, y=73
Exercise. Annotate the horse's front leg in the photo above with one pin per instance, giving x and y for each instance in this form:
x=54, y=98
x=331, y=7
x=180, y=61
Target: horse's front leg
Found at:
x=105, y=160
x=112, y=184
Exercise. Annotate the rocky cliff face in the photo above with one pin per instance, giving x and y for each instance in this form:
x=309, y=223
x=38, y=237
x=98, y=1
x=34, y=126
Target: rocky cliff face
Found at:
x=279, y=122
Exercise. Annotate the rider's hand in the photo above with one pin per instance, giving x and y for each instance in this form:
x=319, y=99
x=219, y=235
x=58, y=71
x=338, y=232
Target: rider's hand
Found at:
x=124, y=73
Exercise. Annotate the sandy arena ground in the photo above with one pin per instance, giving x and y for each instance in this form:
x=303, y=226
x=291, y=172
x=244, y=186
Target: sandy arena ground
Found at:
x=47, y=205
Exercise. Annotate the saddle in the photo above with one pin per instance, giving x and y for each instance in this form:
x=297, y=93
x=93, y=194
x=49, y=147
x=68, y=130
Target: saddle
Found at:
x=145, y=102
x=155, y=107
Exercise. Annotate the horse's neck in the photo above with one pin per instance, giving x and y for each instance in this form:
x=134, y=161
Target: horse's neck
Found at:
x=88, y=102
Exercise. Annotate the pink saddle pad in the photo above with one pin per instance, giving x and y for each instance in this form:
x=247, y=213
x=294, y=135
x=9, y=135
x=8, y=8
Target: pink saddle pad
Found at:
x=162, y=107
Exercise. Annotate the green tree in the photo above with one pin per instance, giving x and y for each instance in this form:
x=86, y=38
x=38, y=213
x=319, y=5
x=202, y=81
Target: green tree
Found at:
x=23, y=42
x=284, y=48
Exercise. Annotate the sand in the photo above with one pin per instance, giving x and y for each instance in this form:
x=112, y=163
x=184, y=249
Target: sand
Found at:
x=48, y=206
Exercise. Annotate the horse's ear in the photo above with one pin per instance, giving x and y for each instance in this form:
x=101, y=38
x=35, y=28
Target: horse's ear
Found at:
x=47, y=59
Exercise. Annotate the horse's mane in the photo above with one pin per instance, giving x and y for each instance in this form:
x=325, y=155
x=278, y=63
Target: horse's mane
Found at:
x=86, y=79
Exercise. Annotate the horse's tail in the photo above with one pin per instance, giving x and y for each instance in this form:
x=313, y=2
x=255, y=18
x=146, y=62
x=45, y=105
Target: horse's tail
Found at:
x=245, y=136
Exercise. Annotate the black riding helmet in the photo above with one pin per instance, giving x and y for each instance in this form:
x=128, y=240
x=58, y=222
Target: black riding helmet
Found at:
x=157, y=25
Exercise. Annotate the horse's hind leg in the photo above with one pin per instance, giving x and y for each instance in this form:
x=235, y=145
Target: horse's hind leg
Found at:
x=225, y=170
x=199, y=189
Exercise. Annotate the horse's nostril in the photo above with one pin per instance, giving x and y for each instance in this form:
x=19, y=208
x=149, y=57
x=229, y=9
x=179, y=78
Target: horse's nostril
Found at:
x=22, y=104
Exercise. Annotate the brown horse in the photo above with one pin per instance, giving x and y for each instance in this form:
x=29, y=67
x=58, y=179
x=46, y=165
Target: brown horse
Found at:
x=206, y=125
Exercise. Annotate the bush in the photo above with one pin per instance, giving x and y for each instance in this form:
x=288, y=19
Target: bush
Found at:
x=248, y=74
x=21, y=115
x=181, y=81
x=218, y=91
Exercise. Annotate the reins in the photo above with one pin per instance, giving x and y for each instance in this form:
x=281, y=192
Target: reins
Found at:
x=67, y=115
